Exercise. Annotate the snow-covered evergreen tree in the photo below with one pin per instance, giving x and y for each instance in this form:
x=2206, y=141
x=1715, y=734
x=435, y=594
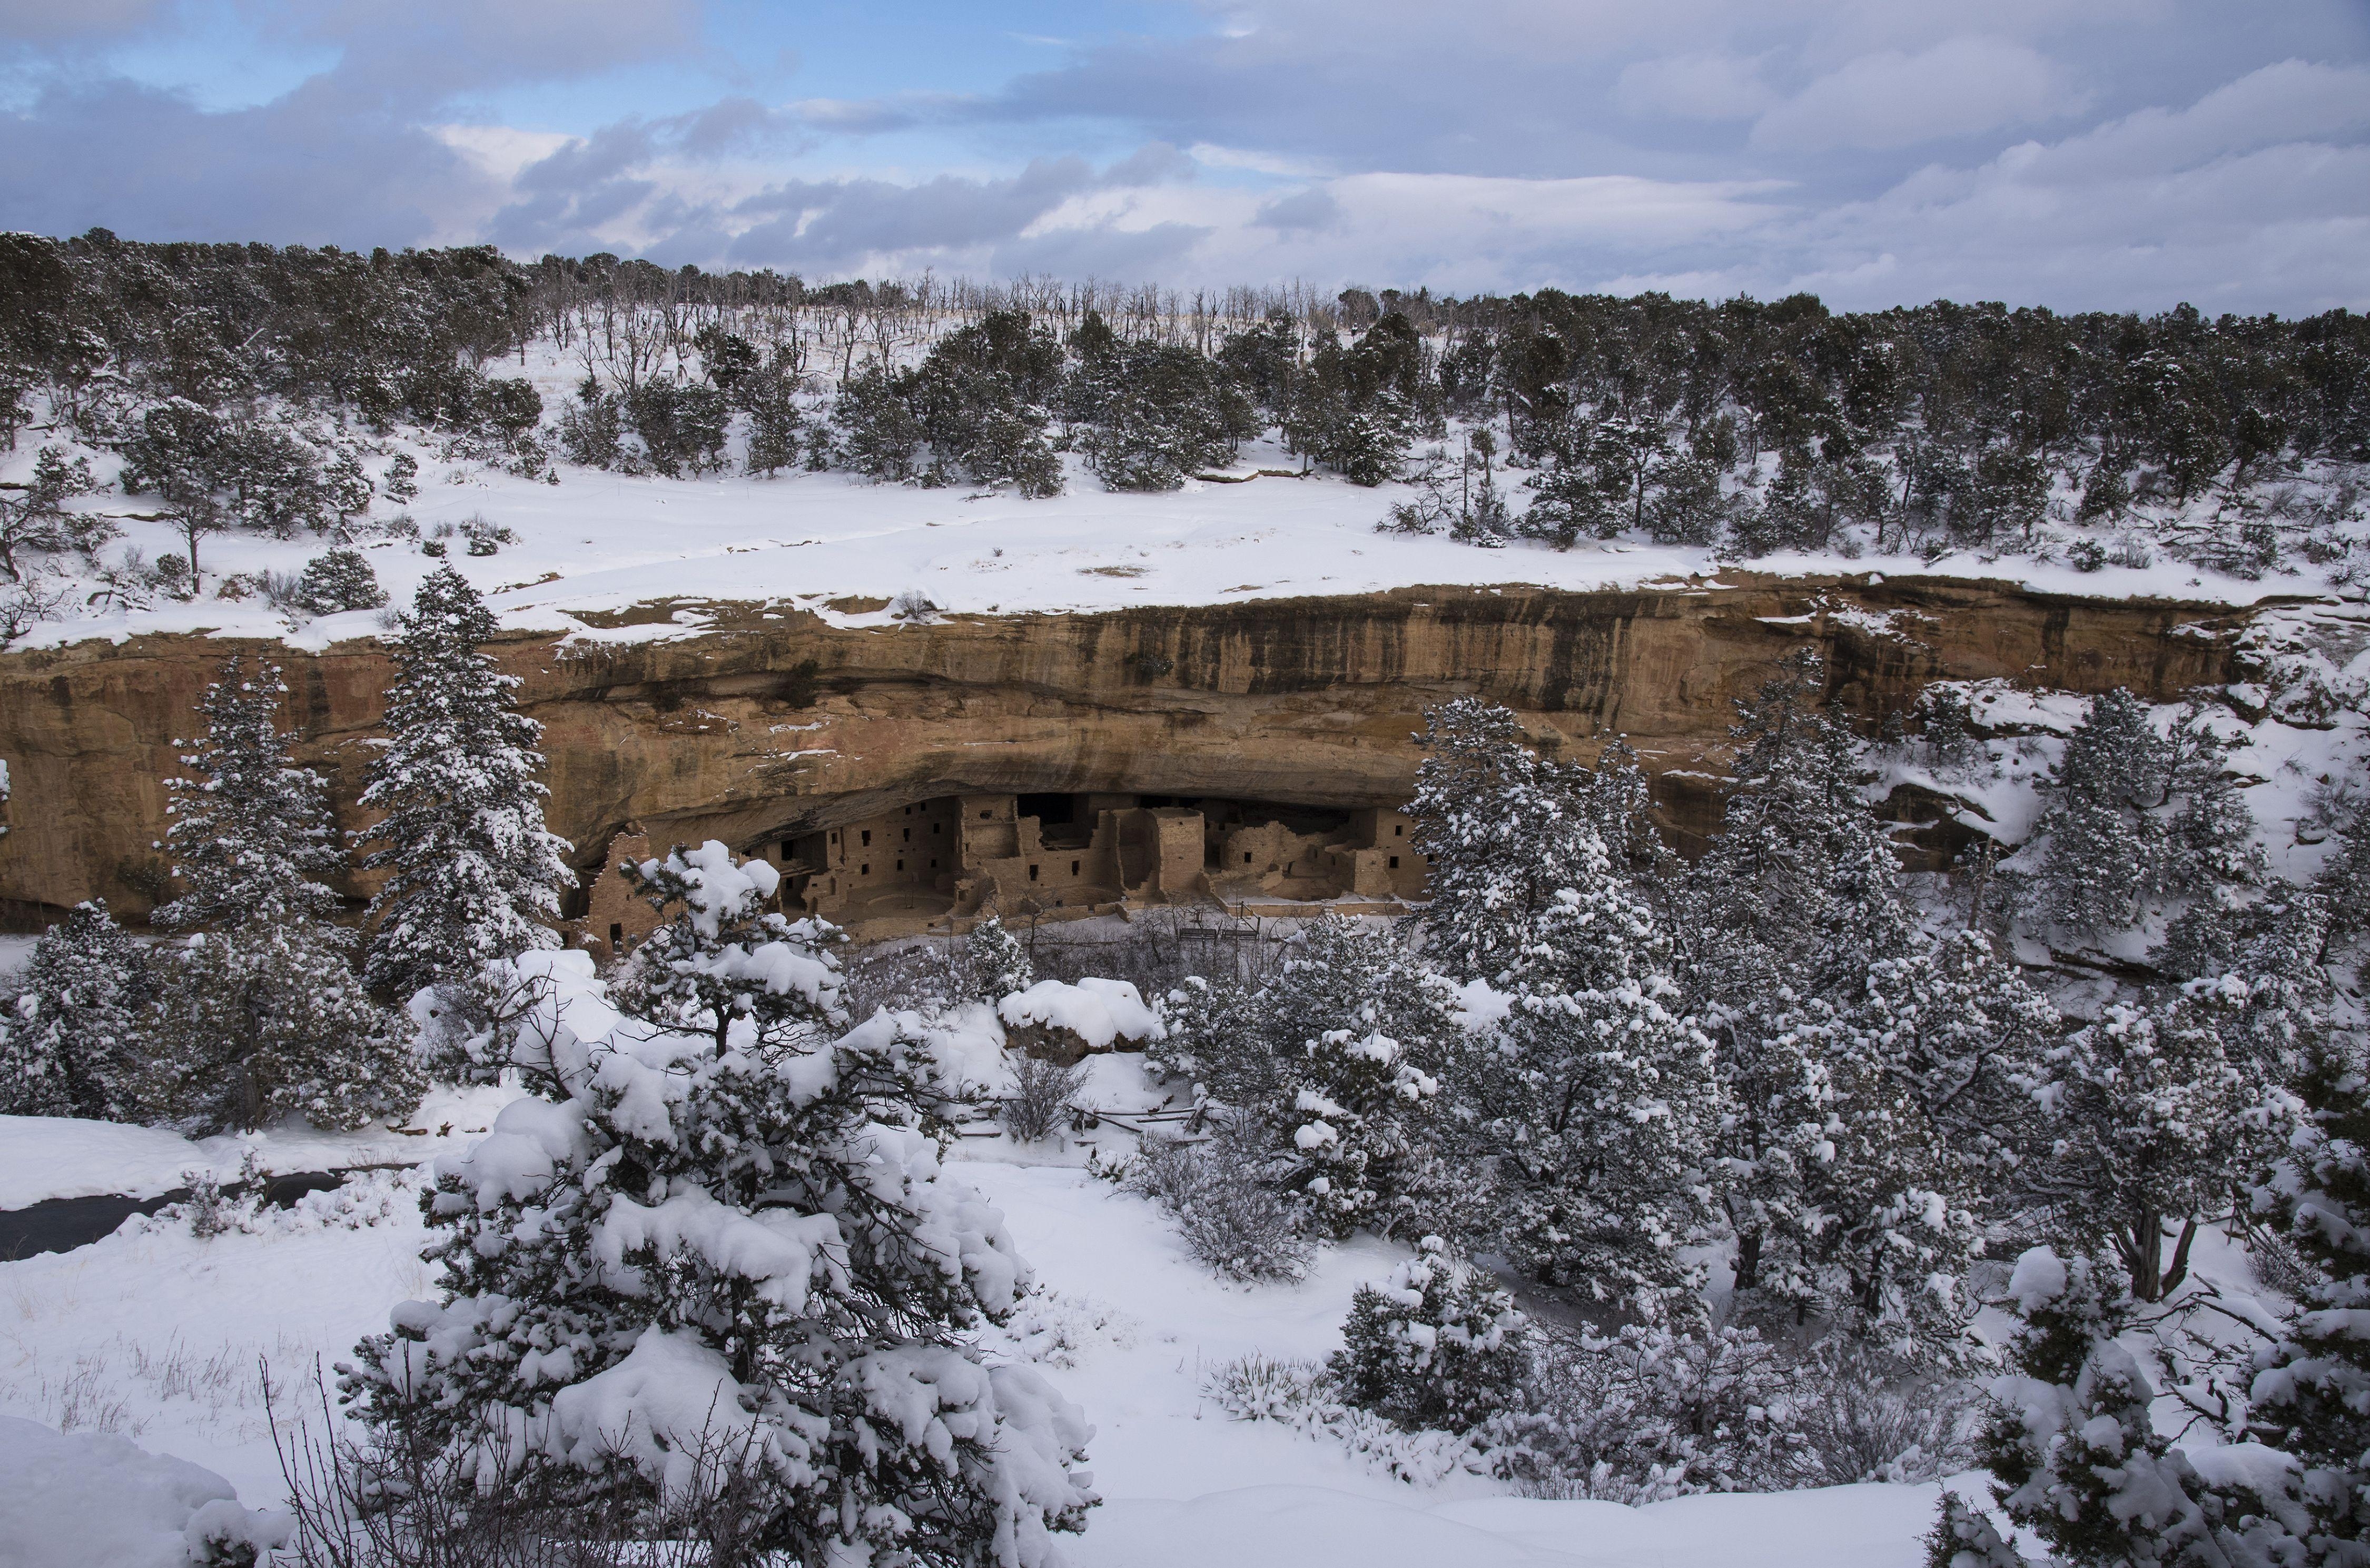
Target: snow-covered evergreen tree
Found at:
x=1792, y=905
x=1335, y=1067
x=1597, y=1099
x=1503, y=827
x=1436, y=1346
x=725, y=965
x=2154, y=1118
x=251, y=834
x=2137, y=815
x=73, y=1045
x=675, y=1263
x=1964, y=1536
x=267, y=1018
x=993, y=964
x=472, y=875
x=2312, y=1398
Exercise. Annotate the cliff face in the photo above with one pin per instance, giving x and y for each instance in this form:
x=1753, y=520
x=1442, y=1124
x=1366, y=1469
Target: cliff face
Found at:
x=773, y=722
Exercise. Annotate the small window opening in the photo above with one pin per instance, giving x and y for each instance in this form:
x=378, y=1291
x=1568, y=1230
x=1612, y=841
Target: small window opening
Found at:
x=937, y=827
x=1074, y=868
x=787, y=852
x=1246, y=857
x=1033, y=874
x=868, y=837
x=865, y=870
x=901, y=865
x=1395, y=863
x=1399, y=830
x=909, y=835
x=616, y=934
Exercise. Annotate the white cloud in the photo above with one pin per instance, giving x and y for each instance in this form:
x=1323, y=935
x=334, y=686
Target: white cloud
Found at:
x=1891, y=99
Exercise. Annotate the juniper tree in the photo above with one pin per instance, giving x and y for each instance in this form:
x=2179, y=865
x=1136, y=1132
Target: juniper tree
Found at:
x=1332, y=1072
x=1793, y=901
x=674, y=1266
x=724, y=965
x=1341, y=1056
x=2153, y=1117
x=339, y=580
x=2312, y=1397
x=1435, y=1346
x=73, y=1044
x=1502, y=827
x=993, y=964
x=251, y=833
x=1598, y=1100
x=472, y=874
x=267, y=1018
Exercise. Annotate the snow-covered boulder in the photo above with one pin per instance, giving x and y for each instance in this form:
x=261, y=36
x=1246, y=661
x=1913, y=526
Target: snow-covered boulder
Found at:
x=1061, y=1022
x=73, y=1499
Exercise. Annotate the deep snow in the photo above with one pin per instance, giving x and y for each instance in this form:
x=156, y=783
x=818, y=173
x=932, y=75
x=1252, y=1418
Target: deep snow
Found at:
x=157, y=1337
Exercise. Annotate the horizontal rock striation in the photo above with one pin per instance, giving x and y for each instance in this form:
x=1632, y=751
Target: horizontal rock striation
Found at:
x=772, y=722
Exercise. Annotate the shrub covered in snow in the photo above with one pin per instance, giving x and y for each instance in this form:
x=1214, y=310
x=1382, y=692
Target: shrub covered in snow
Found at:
x=1041, y=1094
x=1231, y=1220
x=1434, y=1345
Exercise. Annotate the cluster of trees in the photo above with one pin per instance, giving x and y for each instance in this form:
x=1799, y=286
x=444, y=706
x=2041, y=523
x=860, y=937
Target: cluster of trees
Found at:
x=267, y=1008
x=1773, y=1071
x=1754, y=426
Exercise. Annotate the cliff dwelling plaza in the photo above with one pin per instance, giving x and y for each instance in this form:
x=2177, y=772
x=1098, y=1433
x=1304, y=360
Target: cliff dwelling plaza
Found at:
x=940, y=863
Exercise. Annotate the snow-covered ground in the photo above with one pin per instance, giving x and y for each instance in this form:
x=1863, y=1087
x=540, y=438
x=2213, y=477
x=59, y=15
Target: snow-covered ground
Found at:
x=158, y=1337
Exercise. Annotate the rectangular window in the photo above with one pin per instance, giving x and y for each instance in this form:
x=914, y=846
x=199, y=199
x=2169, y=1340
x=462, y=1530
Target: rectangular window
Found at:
x=1397, y=829
x=1033, y=874
x=983, y=815
x=909, y=835
x=787, y=852
x=1074, y=868
x=937, y=827
x=1395, y=863
x=868, y=837
x=1246, y=857
x=901, y=865
x=616, y=935
x=933, y=866
x=865, y=870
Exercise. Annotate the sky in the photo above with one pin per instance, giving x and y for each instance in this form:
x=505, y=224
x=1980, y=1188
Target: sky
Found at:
x=2076, y=154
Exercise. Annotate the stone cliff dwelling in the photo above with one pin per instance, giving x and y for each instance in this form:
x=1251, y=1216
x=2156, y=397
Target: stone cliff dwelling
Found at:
x=942, y=862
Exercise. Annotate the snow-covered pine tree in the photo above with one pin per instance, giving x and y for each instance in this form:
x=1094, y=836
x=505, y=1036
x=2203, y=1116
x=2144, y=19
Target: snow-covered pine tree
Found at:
x=1347, y=1047
x=2136, y=815
x=1502, y=827
x=2312, y=1398
x=251, y=833
x=1780, y=926
x=261, y=1017
x=1436, y=1346
x=472, y=874
x=725, y=965
x=993, y=964
x=1597, y=1099
x=73, y=1045
x=2154, y=1118
x=266, y=1019
x=673, y=1266
x=1332, y=1070
x=1964, y=1536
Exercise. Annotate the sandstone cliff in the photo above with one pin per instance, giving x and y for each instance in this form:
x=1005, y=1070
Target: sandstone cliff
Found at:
x=774, y=721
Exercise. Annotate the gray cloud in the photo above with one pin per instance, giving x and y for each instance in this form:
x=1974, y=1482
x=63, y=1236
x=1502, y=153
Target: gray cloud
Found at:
x=1312, y=209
